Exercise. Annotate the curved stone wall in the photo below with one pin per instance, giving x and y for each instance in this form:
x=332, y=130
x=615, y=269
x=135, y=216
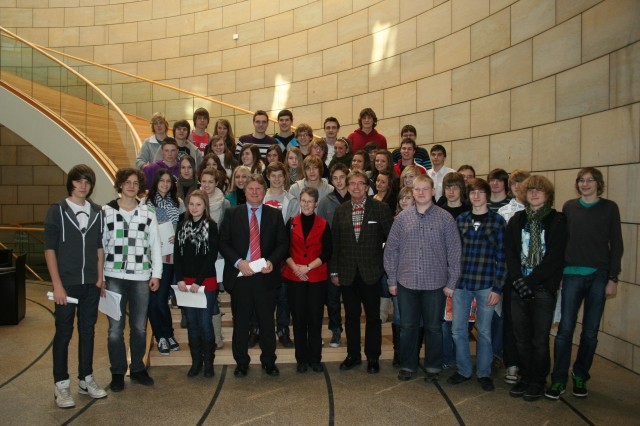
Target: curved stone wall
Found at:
x=543, y=85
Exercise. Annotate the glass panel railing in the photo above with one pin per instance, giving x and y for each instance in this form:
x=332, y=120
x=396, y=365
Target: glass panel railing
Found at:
x=69, y=96
x=27, y=239
x=140, y=98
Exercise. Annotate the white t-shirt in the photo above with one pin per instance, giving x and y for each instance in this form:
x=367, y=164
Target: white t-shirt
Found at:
x=81, y=212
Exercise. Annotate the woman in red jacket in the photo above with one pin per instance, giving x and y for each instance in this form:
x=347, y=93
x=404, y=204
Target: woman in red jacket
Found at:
x=308, y=278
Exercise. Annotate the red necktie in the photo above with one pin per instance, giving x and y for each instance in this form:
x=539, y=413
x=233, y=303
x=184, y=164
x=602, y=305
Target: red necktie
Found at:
x=254, y=236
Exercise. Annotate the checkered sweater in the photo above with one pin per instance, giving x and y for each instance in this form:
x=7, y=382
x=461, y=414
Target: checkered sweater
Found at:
x=132, y=249
x=483, y=256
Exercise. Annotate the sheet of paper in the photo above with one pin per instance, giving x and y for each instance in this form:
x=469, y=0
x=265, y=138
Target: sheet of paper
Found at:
x=166, y=231
x=256, y=265
x=110, y=305
x=190, y=300
x=69, y=299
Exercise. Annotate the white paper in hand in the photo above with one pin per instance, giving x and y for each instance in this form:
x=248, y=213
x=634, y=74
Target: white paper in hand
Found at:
x=256, y=265
x=190, y=300
x=110, y=305
x=166, y=232
x=69, y=299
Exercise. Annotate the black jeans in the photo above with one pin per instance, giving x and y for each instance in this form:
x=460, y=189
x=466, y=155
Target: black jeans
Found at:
x=532, y=320
x=354, y=296
x=306, y=301
x=88, y=296
x=509, y=349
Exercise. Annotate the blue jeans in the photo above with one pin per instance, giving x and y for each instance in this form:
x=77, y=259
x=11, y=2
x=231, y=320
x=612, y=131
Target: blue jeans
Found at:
x=159, y=313
x=484, y=314
x=88, y=296
x=199, y=323
x=384, y=283
x=136, y=294
x=575, y=289
x=448, y=348
x=428, y=305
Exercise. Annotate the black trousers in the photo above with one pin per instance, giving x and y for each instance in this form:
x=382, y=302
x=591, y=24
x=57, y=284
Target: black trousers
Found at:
x=509, y=349
x=249, y=294
x=333, y=307
x=354, y=296
x=306, y=302
x=532, y=320
x=88, y=296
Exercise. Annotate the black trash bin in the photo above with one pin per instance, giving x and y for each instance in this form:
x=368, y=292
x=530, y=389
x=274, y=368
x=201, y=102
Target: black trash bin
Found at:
x=13, y=292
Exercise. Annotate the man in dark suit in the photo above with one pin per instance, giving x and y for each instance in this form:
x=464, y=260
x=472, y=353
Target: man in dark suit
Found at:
x=253, y=290
x=359, y=229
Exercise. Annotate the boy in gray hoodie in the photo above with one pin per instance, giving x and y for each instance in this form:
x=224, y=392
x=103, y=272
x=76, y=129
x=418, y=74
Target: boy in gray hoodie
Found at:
x=75, y=258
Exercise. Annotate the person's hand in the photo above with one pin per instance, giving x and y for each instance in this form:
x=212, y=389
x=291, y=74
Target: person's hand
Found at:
x=448, y=292
x=393, y=290
x=60, y=295
x=493, y=299
x=243, y=266
x=102, y=286
x=611, y=289
x=267, y=269
x=524, y=291
x=154, y=284
x=182, y=286
x=194, y=288
x=335, y=281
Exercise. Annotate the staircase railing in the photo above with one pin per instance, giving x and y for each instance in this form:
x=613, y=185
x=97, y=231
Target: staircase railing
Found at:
x=36, y=74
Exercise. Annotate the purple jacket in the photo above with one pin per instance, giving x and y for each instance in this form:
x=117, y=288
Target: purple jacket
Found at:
x=151, y=170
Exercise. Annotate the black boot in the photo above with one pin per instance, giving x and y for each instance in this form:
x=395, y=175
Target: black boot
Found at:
x=209, y=349
x=395, y=329
x=195, y=346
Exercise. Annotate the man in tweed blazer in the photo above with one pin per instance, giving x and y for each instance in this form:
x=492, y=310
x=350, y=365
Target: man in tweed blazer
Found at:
x=359, y=230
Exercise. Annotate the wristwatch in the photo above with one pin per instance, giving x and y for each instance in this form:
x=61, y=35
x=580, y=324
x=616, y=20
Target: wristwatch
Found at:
x=308, y=267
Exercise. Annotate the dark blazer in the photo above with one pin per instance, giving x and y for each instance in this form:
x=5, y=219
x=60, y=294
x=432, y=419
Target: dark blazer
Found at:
x=548, y=273
x=234, y=242
x=366, y=254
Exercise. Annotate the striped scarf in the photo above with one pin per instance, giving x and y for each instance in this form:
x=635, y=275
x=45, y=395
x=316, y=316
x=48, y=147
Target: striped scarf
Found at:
x=195, y=233
x=535, y=217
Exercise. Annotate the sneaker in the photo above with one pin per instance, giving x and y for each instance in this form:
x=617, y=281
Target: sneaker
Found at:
x=486, y=383
x=163, y=346
x=336, y=339
x=62, y=394
x=534, y=392
x=173, y=344
x=432, y=377
x=142, y=377
x=518, y=389
x=457, y=378
x=554, y=391
x=579, y=386
x=405, y=375
x=511, y=377
x=88, y=386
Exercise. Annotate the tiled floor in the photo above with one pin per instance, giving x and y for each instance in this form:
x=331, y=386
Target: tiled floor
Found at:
x=335, y=397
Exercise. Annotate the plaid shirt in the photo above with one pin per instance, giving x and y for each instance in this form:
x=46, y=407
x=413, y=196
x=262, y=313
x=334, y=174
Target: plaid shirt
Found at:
x=483, y=256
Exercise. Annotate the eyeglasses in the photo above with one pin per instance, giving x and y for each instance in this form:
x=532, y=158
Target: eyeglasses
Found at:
x=585, y=180
x=361, y=184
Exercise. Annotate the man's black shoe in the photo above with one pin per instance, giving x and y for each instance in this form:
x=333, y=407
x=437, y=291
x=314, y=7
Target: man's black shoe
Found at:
x=405, y=375
x=117, y=383
x=432, y=377
x=271, y=369
x=284, y=339
x=350, y=362
x=142, y=377
x=486, y=383
x=241, y=370
x=518, y=389
x=301, y=367
x=457, y=378
x=317, y=367
x=534, y=392
x=373, y=366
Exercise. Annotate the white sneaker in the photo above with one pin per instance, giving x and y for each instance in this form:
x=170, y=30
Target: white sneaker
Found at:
x=62, y=394
x=511, y=377
x=163, y=346
x=88, y=386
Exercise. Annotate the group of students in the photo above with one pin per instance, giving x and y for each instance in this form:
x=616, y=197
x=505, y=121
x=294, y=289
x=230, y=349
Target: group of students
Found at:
x=449, y=253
